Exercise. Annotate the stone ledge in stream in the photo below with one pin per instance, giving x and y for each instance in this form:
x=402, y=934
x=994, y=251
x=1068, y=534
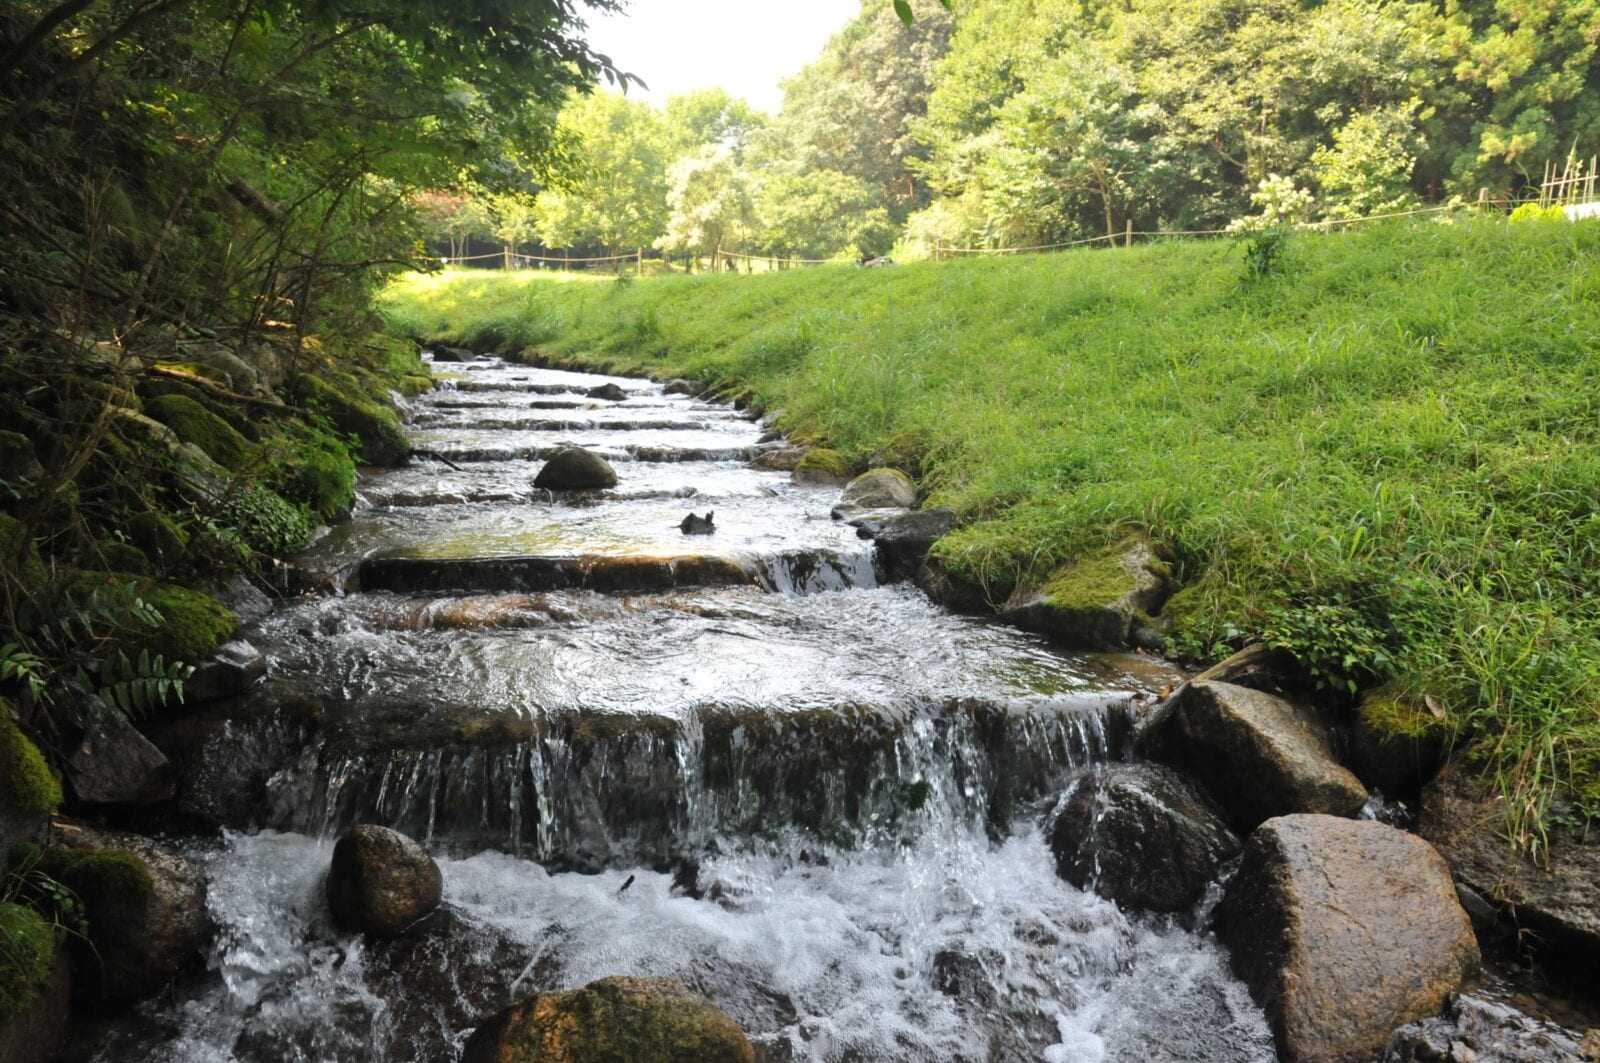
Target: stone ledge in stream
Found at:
x=801, y=571
x=590, y=790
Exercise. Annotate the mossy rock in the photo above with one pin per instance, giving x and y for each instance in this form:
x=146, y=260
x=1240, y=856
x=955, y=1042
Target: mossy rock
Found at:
x=115, y=889
x=381, y=439
x=193, y=423
x=125, y=557
x=1091, y=603
x=1397, y=743
x=822, y=467
x=413, y=384
x=27, y=785
x=27, y=949
x=156, y=537
x=193, y=624
x=318, y=473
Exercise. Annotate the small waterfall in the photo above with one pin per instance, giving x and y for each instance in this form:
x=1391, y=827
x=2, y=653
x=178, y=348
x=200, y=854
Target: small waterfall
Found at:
x=656, y=796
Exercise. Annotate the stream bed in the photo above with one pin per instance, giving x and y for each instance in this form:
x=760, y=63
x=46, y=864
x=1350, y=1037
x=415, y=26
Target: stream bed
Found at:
x=736, y=759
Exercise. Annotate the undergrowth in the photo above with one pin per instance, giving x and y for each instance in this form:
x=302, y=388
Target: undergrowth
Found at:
x=1382, y=455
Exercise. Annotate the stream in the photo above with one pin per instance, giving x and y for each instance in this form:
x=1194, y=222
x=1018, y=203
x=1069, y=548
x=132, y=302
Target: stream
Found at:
x=737, y=759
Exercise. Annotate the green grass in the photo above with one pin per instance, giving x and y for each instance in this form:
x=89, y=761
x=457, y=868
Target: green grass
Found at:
x=1384, y=456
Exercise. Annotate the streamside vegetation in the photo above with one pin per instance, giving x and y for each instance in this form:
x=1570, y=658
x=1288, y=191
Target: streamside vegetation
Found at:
x=1380, y=455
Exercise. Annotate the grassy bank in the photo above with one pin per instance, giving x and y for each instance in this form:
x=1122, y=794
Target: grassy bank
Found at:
x=1385, y=457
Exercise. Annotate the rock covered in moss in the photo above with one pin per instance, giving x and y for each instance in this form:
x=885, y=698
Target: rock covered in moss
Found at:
x=1396, y=745
x=576, y=469
x=157, y=538
x=193, y=423
x=1141, y=836
x=381, y=882
x=382, y=441
x=34, y=1034
x=1557, y=896
x=880, y=489
x=145, y=908
x=125, y=557
x=613, y=1020
x=27, y=950
x=1344, y=930
x=1257, y=755
x=821, y=467
x=193, y=624
x=1093, y=602
x=317, y=472
x=29, y=791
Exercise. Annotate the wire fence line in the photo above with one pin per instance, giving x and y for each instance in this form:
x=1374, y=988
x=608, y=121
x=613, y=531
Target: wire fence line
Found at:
x=941, y=251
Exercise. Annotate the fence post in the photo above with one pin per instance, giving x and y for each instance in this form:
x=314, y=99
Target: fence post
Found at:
x=1127, y=240
x=639, y=272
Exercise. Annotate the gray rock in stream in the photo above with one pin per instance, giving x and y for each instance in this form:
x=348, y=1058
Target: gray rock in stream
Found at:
x=381, y=882
x=608, y=392
x=115, y=764
x=876, y=489
x=1257, y=755
x=1477, y=1029
x=1139, y=835
x=576, y=469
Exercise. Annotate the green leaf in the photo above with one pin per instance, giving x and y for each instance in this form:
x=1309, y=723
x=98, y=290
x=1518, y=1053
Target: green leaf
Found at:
x=903, y=9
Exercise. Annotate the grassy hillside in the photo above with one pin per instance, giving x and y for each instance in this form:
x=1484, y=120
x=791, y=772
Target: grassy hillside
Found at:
x=1385, y=457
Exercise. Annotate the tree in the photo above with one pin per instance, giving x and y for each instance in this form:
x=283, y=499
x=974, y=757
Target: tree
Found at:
x=819, y=214
x=710, y=204
x=616, y=190
x=1367, y=169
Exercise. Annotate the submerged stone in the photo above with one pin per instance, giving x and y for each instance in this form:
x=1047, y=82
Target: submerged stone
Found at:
x=575, y=469
x=608, y=392
x=613, y=1020
x=1344, y=930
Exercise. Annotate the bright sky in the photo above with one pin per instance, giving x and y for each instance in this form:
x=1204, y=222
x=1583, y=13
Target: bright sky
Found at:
x=744, y=46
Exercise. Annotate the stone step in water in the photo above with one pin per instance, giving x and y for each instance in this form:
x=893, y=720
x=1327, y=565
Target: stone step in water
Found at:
x=430, y=483
x=620, y=420
x=595, y=729
x=473, y=445
x=785, y=541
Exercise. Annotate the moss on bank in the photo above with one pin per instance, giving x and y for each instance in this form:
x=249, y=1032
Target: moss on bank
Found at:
x=824, y=461
x=115, y=890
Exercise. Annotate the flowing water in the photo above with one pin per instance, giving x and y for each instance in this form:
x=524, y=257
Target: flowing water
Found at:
x=736, y=759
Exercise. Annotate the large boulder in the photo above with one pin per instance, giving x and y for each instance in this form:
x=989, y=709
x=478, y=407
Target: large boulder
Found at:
x=1344, y=930
x=613, y=1020
x=1093, y=602
x=114, y=764
x=876, y=489
x=145, y=905
x=576, y=469
x=1139, y=835
x=381, y=882
x=1557, y=897
x=1257, y=755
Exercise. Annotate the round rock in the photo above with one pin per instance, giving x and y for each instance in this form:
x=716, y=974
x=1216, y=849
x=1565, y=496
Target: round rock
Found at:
x=381, y=882
x=609, y=392
x=576, y=469
x=1139, y=835
x=613, y=1020
x=880, y=489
